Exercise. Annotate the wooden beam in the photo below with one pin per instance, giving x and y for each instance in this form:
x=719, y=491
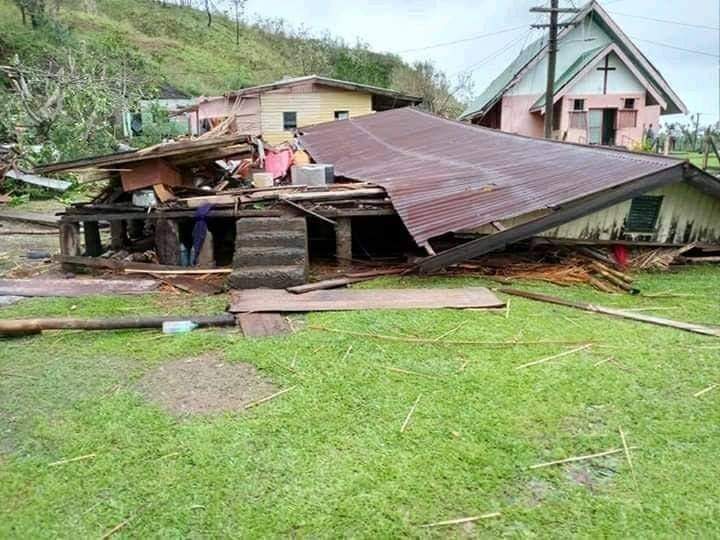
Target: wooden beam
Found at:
x=167, y=241
x=563, y=214
x=70, y=238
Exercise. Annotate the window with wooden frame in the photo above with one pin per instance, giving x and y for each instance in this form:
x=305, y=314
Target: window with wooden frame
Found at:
x=644, y=213
x=578, y=105
x=626, y=119
x=629, y=103
x=289, y=121
x=578, y=115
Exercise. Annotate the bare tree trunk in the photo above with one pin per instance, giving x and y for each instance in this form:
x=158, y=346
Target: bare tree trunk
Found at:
x=209, y=13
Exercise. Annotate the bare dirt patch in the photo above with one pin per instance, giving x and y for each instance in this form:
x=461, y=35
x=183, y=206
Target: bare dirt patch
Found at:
x=204, y=385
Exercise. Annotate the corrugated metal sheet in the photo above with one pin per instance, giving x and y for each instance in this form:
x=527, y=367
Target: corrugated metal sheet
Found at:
x=444, y=176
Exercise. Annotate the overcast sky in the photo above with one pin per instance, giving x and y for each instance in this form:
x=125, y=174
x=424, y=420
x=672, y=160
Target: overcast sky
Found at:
x=401, y=25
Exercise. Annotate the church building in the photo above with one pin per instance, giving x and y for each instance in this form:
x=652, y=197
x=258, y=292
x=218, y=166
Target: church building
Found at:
x=606, y=91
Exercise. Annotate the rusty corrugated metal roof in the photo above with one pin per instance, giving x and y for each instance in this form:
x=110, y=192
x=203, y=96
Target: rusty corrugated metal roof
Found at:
x=445, y=176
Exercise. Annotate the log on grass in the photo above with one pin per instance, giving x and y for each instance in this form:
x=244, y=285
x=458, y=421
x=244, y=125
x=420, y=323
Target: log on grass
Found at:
x=16, y=327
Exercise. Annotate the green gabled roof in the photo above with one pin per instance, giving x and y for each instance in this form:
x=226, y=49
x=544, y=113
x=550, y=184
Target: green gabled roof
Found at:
x=569, y=74
x=488, y=98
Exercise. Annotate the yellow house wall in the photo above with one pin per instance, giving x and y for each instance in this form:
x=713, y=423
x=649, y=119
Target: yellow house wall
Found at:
x=686, y=215
x=313, y=106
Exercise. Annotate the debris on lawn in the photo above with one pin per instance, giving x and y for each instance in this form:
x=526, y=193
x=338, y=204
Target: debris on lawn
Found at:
x=623, y=314
x=409, y=414
x=268, y=398
x=706, y=390
x=579, y=458
x=555, y=356
x=460, y=521
x=259, y=300
x=71, y=460
x=48, y=287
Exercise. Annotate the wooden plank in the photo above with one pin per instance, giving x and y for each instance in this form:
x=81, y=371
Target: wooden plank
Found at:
x=34, y=218
x=264, y=324
x=310, y=212
x=679, y=325
x=167, y=214
x=273, y=300
x=44, y=287
x=563, y=214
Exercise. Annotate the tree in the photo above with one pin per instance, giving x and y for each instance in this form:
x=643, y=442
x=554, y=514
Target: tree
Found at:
x=35, y=9
x=439, y=96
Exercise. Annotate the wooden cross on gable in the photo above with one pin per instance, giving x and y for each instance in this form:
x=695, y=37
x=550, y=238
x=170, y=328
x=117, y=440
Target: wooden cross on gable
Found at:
x=605, y=70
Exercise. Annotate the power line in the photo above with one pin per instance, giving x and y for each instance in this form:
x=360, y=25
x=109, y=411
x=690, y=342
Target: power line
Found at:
x=494, y=54
x=666, y=21
x=676, y=48
x=445, y=44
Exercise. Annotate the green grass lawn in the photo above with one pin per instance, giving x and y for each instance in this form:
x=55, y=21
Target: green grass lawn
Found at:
x=328, y=459
x=696, y=158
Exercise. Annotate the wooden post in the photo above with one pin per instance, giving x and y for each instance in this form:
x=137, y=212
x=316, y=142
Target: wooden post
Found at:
x=93, y=245
x=69, y=241
x=167, y=241
x=706, y=149
x=118, y=234
x=343, y=240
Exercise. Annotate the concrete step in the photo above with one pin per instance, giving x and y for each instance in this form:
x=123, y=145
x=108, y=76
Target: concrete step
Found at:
x=273, y=277
x=269, y=256
x=256, y=225
x=285, y=239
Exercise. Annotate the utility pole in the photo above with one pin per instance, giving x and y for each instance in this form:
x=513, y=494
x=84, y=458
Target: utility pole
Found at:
x=553, y=10
x=697, y=132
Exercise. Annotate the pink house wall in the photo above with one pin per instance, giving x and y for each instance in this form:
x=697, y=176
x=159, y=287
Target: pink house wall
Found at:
x=247, y=113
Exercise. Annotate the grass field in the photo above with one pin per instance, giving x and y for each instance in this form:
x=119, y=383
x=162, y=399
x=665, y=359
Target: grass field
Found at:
x=328, y=459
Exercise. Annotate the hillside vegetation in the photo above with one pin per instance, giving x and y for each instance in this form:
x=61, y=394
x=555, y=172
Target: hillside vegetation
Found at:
x=82, y=67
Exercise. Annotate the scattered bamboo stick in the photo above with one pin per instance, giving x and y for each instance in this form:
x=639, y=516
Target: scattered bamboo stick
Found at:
x=680, y=325
x=123, y=523
x=629, y=459
x=579, y=458
x=446, y=342
x=507, y=309
x=459, y=521
x=451, y=331
x=408, y=372
x=407, y=418
x=347, y=353
x=71, y=460
x=559, y=355
x=706, y=390
x=268, y=398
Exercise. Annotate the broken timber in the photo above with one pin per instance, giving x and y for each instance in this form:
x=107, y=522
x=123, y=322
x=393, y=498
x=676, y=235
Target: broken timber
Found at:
x=688, y=327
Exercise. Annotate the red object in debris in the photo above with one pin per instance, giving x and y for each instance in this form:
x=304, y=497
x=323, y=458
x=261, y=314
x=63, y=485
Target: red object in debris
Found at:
x=621, y=254
x=278, y=162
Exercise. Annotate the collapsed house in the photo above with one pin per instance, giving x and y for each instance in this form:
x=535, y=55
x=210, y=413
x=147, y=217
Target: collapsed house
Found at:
x=398, y=180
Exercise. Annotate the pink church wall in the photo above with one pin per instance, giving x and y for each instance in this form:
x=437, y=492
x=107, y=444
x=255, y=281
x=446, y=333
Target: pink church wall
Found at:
x=629, y=137
x=517, y=118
